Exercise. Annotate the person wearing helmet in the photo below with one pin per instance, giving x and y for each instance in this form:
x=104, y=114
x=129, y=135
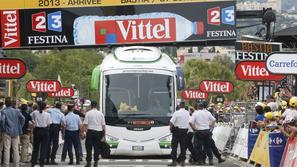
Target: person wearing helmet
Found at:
x=291, y=112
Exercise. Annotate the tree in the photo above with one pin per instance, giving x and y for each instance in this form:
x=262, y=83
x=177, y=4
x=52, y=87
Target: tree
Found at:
x=225, y=60
x=74, y=67
x=198, y=70
x=31, y=60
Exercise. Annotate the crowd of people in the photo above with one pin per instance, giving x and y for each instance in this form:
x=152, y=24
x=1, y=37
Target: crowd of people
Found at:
x=41, y=125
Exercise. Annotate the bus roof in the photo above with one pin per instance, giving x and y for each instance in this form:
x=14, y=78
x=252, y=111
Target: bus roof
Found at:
x=136, y=57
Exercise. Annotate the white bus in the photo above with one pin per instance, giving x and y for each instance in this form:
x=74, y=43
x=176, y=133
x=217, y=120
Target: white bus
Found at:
x=138, y=89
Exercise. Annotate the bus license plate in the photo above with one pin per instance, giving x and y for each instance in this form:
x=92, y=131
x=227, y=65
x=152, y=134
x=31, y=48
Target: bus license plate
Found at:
x=137, y=148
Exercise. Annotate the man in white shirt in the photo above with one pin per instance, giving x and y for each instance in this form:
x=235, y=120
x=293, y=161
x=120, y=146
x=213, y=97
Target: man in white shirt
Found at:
x=94, y=124
x=179, y=124
x=201, y=122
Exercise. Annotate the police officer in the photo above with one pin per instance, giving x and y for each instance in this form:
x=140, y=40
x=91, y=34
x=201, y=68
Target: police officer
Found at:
x=179, y=124
x=57, y=121
x=72, y=129
x=41, y=121
x=94, y=124
x=200, y=122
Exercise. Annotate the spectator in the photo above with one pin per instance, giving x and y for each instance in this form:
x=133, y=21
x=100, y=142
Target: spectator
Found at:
x=12, y=122
x=25, y=137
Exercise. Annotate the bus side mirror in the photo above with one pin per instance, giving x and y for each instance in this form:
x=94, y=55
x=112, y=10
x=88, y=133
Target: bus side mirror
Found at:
x=95, y=78
x=180, y=79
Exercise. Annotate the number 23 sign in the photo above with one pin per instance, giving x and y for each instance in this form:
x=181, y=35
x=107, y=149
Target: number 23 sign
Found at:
x=216, y=17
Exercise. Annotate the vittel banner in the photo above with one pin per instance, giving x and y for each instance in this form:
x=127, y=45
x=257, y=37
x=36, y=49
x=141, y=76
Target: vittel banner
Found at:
x=213, y=86
x=64, y=92
x=194, y=94
x=282, y=63
x=48, y=86
x=153, y=23
x=255, y=71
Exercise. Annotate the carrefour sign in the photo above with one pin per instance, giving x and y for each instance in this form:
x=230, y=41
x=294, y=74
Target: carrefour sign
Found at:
x=282, y=63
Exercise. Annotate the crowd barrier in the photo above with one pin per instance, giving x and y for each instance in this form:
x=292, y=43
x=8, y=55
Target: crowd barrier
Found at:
x=268, y=149
x=221, y=135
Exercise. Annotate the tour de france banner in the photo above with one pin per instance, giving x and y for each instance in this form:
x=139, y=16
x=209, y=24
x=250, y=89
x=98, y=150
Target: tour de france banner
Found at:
x=277, y=144
x=154, y=23
x=260, y=153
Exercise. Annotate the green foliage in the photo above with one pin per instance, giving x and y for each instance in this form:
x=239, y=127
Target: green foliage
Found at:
x=197, y=70
x=74, y=67
x=225, y=60
x=29, y=58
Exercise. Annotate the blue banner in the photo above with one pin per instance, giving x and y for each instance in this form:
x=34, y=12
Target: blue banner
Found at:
x=277, y=144
x=252, y=137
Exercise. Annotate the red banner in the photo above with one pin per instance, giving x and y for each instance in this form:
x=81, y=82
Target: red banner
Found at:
x=12, y=68
x=10, y=25
x=212, y=86
x=49, y=86
x=255, y=71
x=64, y=92
x=290, y=153
x=194, y=94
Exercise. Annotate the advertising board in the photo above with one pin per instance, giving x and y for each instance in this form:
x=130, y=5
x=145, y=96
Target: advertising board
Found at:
x=64, y=92
x=34, y=4
x=12, y=68
x=255, y=71
x=255, y=50
x=213, y=86
x=43, y=86
x=164, y=23
x=282, y=63
x=194, y=94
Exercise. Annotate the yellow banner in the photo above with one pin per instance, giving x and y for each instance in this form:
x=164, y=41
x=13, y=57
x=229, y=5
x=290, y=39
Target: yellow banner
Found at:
x=260, y=153
x=32, y=4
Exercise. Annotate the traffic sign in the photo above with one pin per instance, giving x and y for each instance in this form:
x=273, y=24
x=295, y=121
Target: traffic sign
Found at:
x=282, y=63
x=44, y=86
x=11, y=68
x=255, y=71
x=215, y=86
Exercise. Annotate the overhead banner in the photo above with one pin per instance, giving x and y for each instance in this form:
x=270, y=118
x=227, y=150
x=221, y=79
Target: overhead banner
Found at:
x=34, y=4
x=255, y=50
x=194, y=94
x=171, y=24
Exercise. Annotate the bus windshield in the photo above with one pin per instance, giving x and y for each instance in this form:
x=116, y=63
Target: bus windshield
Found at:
x=138, y=96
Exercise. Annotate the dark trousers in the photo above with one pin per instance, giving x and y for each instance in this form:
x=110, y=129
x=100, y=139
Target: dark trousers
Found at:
x=93, y=140
x=190, y=146
x=179, y=137
x=214, y=150
x=53, y=143
x=202, y=141
x=72, y=138
x=64, y=152
x=40, y=140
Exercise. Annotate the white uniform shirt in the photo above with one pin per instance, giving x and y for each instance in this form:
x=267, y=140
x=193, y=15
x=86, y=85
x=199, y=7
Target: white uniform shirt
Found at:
x=41, y=120
x=181, y=119
x=190, y=128
x=201, y=119
x=95, y=120
x=289, y=115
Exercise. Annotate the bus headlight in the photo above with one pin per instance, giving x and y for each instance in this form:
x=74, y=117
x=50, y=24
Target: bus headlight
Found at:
x=165, y=142
x=111, y=138
x=112, y=141
x=166, y=138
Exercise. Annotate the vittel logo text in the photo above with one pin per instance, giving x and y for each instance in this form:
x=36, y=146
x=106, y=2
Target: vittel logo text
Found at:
x=135, y=30
x=10, y=29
